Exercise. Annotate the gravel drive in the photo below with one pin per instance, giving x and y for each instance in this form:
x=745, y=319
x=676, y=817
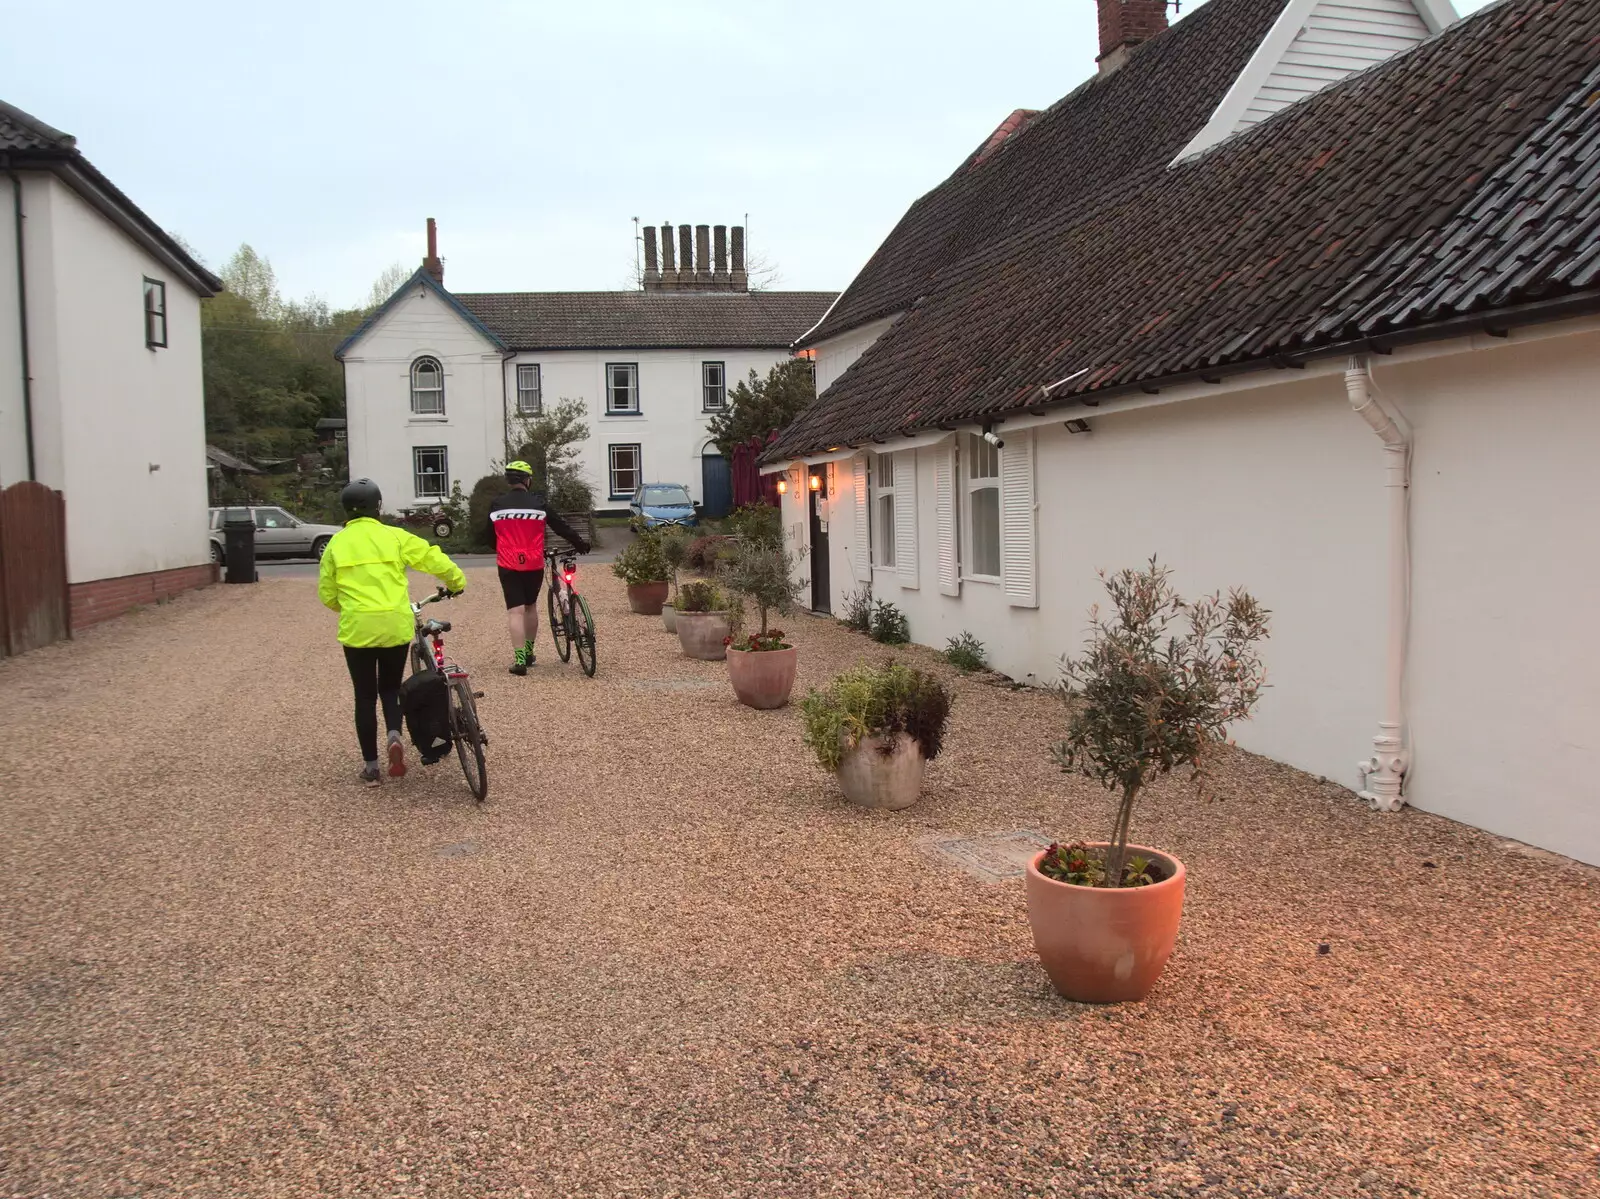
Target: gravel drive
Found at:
x=667, y=959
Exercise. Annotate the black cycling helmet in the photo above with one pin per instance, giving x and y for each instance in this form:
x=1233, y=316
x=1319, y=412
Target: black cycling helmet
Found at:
x=361, y=497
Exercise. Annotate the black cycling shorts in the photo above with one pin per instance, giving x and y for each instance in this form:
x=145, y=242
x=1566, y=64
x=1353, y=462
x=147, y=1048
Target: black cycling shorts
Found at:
x=521, y=587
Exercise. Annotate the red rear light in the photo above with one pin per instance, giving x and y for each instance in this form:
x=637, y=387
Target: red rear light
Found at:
x=568, y=575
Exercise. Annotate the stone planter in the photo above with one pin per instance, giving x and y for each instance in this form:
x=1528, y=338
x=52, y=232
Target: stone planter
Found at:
x=883, y=772
x=763, y=678
x=645, y=599
x=1106, y=944
x=669, y=617
x=702, y=635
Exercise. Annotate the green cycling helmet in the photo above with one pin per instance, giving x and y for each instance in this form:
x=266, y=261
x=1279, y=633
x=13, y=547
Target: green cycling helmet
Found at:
x=519, y=472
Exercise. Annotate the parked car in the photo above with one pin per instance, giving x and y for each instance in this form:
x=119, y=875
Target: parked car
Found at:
x=278, y=534
x=663, y=504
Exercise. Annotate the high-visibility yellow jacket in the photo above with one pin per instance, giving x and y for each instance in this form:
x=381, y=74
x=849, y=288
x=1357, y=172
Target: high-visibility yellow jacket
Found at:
x=363, y=579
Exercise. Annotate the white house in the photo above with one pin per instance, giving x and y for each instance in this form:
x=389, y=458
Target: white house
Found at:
x=100, y=377
x=435, y=380
x=1302, y=296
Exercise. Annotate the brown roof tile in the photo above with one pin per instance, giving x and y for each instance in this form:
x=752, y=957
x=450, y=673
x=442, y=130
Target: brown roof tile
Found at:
x=555, y=320
x=1460, y=177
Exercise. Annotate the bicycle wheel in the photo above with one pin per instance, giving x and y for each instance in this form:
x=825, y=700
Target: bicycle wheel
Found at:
x=583, y=634
x=558, y=625
x=468, y=737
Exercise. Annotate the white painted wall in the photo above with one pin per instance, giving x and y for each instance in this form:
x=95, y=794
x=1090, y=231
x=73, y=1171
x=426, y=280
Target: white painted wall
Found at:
x=13, y=443
x=106, y=407
x=1280, y=488
x=480, y=387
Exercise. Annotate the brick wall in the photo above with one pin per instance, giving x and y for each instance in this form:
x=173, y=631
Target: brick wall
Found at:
x=1129, y=22
x=106, y=599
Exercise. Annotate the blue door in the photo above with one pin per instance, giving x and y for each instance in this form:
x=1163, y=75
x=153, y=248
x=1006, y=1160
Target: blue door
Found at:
x=716, y=486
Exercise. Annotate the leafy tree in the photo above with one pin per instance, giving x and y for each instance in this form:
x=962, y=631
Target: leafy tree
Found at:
x=759, y=406
x=549, y=443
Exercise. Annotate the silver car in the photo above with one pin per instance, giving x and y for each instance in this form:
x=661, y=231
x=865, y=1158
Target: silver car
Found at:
x=278, y=534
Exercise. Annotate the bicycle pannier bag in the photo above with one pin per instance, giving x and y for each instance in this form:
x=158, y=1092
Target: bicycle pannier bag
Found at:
x=425, y=700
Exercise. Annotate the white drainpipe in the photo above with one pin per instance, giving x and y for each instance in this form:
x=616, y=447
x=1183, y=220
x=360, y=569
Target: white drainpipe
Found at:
x=1383, y=775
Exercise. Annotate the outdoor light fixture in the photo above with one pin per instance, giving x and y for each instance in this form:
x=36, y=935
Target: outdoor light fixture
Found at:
x=783, y=486
x=992, y=439
x=816, y=482
x=1077, y=426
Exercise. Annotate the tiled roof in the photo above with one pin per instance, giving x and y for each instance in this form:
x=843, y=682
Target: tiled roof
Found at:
x=28, y=142
x=1461, y=177
x=553, y=320
x=1107, y=132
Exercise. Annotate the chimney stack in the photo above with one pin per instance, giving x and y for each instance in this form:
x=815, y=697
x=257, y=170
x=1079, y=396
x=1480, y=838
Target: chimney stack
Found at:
x=652, y=267
x=432, y=263
x=685, y=257
x=1123, y=25
x=669, y=259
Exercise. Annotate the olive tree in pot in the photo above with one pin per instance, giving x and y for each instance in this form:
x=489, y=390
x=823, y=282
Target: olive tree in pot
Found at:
x=1144, y=699
x=675, y=554
x=877, y=727
x=707, y=617
x=761, y=666
x=643, y=569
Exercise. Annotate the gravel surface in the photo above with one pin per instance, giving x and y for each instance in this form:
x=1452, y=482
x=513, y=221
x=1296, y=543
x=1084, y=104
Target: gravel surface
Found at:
x=667, y=959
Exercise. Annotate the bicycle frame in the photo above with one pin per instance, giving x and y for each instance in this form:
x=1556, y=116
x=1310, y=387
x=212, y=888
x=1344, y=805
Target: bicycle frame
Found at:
x=562, y=571
x=431, y=641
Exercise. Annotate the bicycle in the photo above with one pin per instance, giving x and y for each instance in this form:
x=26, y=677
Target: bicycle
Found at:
x=570, y=622
x=427, y=653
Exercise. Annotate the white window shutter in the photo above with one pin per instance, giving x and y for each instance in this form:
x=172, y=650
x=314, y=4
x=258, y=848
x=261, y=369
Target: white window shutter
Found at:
x=1019, y=550
x=905, y=517
x=861, y=552
x=944, y=487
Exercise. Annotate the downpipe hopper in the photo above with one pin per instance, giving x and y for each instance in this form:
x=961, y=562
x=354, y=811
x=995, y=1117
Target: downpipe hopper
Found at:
x=1383, y=775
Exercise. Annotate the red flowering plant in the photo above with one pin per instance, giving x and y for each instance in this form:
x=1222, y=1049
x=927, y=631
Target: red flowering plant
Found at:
x=756, y=642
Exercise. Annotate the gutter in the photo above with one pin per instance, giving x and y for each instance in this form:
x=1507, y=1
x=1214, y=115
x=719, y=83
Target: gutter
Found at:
x=1383, y=775
x=22, y=315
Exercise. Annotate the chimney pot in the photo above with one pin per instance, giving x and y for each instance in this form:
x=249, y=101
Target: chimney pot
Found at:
x=702, y=255
x=652, y=266
x=685, y=255
x=1123, y=25
x=432, y=263
x=669, y=258
x=719, y=251
x=738, y=280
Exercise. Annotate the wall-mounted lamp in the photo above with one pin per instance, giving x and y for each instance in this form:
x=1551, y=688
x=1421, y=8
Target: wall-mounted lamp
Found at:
x=1077, y=426
x=783, y=486
x=990, y=436
x=816, y=483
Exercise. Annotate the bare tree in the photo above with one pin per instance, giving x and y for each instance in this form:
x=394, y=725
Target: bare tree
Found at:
x=386, y=284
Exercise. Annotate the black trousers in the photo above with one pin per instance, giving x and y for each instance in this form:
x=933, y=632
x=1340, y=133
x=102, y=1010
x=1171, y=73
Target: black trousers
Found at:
x=376, y=674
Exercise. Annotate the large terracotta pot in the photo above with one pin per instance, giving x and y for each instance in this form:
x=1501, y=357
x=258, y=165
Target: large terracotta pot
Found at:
x=1105, y=944
x=883, y=772
x=702, y=635
x=762, y=678
x=669, y=617
x=646, y=599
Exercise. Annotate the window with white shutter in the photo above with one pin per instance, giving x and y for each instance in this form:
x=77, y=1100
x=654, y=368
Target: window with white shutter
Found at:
x=981, y=496
x=1019, y=551
x=905, y=517
x=861, y=552
x=880, y=481
x=944, y=487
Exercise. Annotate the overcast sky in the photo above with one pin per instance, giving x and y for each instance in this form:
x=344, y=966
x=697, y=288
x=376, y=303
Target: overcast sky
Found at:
x=324, y=133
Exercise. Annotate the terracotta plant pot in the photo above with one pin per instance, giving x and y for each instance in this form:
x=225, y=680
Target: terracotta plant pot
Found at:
x=1106, y=944
x=669, y=617
x=645, y=599
x=702, y=635
x=762, y=678
x=875, y=779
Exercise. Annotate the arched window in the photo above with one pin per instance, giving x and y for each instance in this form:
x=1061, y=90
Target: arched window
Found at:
x=427, y=387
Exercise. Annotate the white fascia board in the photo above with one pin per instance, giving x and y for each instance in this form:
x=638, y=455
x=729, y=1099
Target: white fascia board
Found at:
x=1437, y=15
x=1261, y=65
x=890, y=445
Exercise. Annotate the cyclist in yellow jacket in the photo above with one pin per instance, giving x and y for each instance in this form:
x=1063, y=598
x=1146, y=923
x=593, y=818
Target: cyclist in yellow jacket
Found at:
x=363, y=579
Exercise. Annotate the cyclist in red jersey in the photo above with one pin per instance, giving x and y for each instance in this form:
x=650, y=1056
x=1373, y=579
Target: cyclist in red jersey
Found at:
x=518, y=519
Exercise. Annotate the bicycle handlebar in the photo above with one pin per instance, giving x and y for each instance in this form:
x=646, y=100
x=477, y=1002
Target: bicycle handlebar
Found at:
x=443, y=593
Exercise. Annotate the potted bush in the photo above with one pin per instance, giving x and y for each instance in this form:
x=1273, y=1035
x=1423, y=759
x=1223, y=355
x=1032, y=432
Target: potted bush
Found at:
x=761, y=667
x=877, y=728
x=643, y=569
x=675, y=553
x=705, y=621
x=1145, y=698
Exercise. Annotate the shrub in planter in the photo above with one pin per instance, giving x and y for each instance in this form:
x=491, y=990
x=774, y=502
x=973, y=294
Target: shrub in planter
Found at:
x=644, y=570
x=707, y=617
x=1144, y=698
x=877, y=727
x=703, y=551
x=762, y=667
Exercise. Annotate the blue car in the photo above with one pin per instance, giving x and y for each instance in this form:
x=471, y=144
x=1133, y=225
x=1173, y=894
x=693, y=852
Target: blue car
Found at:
x=664, y=504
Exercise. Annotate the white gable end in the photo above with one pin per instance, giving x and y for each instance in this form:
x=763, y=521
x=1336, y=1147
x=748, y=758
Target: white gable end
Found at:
x=1315, y=43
